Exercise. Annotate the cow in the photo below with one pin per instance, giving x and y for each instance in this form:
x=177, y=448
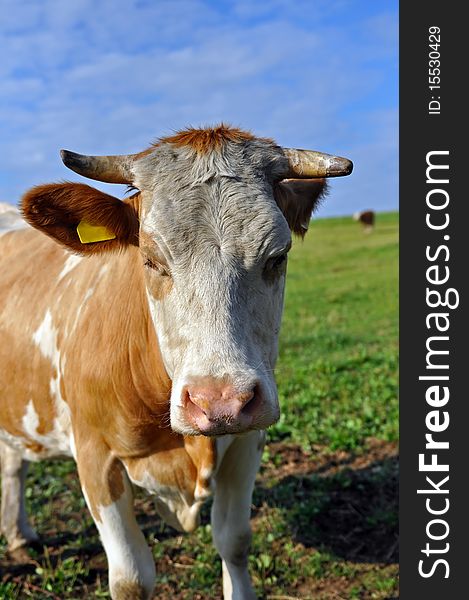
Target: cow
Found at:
x=366, y=218
x=140, y=336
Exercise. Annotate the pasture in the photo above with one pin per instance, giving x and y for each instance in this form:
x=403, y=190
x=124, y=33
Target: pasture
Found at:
x=325, y=505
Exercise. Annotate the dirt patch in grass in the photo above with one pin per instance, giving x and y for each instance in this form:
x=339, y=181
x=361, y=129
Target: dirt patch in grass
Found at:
x=325, y=527
x=351, y=498
x=291, y=459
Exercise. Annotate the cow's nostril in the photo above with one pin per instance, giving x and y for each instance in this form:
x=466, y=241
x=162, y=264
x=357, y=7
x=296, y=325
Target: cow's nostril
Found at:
x=195, y=412
x=194, y=406
x=245, y=399
x=251, y=404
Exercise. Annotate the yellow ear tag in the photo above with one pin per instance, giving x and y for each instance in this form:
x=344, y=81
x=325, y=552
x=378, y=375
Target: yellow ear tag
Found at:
x=93, y=233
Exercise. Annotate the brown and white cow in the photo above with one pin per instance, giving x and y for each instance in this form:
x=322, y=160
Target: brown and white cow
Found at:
x=144, y=346
x=366, y=218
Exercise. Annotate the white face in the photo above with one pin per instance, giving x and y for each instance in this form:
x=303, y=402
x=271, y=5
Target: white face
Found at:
x=215, y=262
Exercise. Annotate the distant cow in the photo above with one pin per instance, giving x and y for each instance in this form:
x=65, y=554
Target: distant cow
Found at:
x=366, y=218
x=140, y=337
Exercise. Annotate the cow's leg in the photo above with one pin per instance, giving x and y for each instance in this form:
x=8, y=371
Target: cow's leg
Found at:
x=231, y=513
x=14, y=522
x=109, y=496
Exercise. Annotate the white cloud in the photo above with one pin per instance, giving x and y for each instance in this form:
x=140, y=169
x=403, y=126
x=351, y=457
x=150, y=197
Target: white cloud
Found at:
x=110, y=76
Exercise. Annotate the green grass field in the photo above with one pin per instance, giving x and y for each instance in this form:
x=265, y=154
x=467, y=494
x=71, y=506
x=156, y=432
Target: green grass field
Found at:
x=325, y=507
x=338, y=351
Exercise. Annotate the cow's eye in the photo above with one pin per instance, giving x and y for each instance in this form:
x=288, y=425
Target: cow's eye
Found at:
x=275, y=262
x=155, y=266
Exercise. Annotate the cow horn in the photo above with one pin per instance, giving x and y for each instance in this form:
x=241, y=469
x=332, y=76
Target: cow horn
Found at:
x=309, y=164
x=111, y=169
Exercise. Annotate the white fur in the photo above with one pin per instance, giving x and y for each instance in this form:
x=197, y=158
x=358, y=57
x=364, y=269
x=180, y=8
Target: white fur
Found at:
x=72, y=261
x=214, y=347
x=129, y=557
x=206, y=473
x=88, y=294
x=216, y=223
x=231, y=512
x=102, y=271
x=13, y=519
x=18, y=444
x=45, y=337
x=172, y=504
x=56, y=441
x=73, y=447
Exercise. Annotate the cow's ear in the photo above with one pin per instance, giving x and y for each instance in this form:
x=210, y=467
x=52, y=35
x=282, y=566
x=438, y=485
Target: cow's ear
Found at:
x=104, y=223
x=297, y=199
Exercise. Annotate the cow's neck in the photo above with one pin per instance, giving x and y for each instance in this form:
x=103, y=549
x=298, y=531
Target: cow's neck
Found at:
x=133, y=402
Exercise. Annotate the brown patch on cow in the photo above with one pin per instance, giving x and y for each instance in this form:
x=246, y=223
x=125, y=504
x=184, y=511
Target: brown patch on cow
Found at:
x=169, y=466
x=203, y=453
x=26, y=372
x=120, y=402
x=56, y=210
x=185, y=469
x=151, y=252
x=135, y=201
x=128, y=590
x=159, y=285
x=206, y=140
x=101, y=472
x=176, y=462
x=297, y=199
x=125, y=393
x=34, y=447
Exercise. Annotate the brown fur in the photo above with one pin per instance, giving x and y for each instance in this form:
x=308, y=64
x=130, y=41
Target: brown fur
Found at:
x=112, y=373
x=128, y=590
x=297, y=199
x=56, y=209
x=24, y=284
x=367, y=218
x=204, y=141
x=119, y=403
x=101, y=472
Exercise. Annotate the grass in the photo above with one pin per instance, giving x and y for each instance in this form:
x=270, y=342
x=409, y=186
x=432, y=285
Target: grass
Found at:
x=338, y=350
x=325, y=506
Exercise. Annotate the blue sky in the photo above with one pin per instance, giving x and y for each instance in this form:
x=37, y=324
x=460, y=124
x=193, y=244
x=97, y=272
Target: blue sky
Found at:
x=110, y=76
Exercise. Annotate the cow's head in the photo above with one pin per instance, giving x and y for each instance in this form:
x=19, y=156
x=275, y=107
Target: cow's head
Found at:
x=213, y=221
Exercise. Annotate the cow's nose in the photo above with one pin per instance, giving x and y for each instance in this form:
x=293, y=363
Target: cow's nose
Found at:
x=216, y=409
